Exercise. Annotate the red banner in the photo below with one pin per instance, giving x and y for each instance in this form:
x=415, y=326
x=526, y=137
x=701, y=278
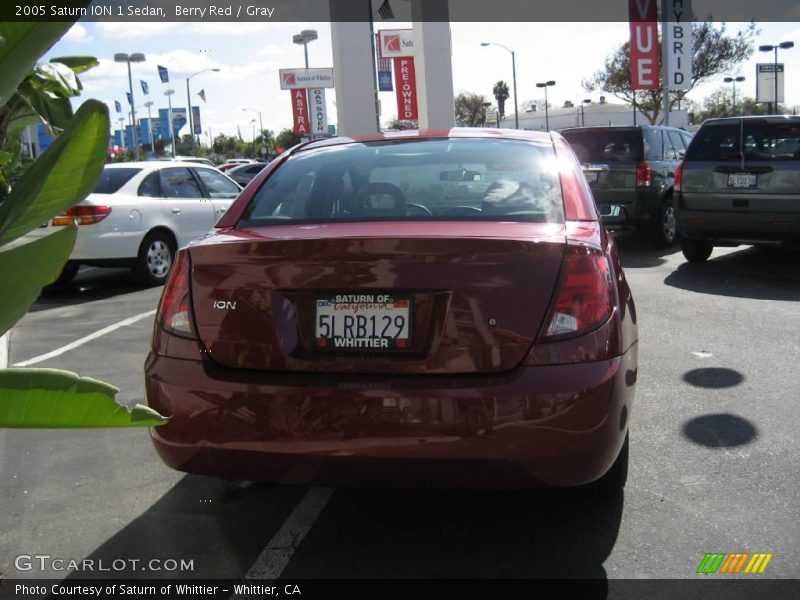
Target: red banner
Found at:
x=302, y=125
x=405, y=83
x=643, y=17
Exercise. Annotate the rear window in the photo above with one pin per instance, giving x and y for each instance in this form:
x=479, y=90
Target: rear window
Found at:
x=605, y=145
x=113, y=179
x=442, y=179
x=752, y=139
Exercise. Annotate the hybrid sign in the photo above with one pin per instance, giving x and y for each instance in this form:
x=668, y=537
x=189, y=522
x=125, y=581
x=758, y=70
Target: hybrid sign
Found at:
x=319, y=112
x=678, y=39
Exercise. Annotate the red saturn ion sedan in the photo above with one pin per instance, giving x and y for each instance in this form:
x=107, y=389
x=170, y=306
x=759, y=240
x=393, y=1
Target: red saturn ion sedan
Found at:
x=439, y=308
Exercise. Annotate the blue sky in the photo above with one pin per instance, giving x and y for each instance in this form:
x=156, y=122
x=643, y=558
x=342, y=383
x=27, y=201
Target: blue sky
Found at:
x=250, y=54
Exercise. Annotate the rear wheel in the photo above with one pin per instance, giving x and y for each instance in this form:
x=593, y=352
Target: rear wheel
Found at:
x=156, y=255
x=613, y=482
x=665, y=231
x=696, y=251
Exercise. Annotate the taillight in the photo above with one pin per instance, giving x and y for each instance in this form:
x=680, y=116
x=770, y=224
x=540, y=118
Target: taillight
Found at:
x=585, y=298
x=678, y=177
x=644, y=174
x=175, y=308
x=82, y=215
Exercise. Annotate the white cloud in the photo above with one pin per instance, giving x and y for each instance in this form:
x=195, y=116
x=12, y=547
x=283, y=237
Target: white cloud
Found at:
x=133, y=29
x=77, y=33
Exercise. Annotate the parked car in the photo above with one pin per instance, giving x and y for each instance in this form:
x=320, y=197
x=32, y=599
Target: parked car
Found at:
x=140, y=213
x=740, y=184
x=631, y=172
x=195, y=159
x=235, y=162
x=417, y=309
x=243, y=174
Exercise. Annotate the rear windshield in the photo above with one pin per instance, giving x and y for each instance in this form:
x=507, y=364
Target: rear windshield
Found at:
x=113, y=179
x=606, y=145
x=438, y=179
x=749, y=139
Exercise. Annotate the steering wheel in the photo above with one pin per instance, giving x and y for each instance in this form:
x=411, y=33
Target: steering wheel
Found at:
x=421, y=211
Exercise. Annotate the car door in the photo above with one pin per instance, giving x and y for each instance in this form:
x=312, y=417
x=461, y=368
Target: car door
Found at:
x=219, y=189
x=185, y=206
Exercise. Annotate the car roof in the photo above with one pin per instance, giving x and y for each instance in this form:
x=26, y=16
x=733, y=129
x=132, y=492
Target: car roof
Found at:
x=767, y=118
x=423, y=134
x=156, y=164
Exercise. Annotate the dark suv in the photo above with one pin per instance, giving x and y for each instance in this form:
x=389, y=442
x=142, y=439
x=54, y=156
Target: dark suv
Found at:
x=631, y=172
x=740, y=184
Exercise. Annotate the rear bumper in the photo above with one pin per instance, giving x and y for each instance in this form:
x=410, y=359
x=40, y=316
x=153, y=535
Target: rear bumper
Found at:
x=541, y=426
x=641, y=209
x=739, y=226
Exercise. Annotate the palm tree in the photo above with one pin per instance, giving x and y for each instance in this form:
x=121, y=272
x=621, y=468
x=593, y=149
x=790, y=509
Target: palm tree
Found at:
x=500, y=91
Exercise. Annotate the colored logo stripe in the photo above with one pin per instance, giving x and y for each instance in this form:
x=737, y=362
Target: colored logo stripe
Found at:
x=733, y=562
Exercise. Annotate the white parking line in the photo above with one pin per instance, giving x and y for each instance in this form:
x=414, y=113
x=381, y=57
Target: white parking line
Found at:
x=274, y=558
x=83, y=340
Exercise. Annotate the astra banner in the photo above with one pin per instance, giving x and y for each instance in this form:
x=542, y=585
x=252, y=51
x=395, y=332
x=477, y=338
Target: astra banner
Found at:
x=302, y=126
x=643, y=18
x=405, y=80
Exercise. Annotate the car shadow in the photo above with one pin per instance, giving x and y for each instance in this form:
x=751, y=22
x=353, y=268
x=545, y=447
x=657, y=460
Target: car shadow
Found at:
x=753, y=272
x=89, y=284
x=637, y=251
x=372, y=534
x=461, y=535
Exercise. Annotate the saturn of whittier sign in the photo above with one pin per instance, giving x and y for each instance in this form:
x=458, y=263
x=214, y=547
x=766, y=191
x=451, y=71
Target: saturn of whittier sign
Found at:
x=301, y=83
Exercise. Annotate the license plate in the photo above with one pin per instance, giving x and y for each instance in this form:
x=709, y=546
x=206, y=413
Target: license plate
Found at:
x=363, y=321
x=741, y=180
x=591, y=176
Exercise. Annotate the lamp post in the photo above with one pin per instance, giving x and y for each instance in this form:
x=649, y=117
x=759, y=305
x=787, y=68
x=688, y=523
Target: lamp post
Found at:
x=260, y=122
x=168, y=94
x=253, y=123
x=545, y=85
x=583, y=116
x=770, y=48
x=513, y=79
x=148, y=104
x=129, y=58
x=122, y=131
x=733, y=80
x=189, y=102
x=303, y=38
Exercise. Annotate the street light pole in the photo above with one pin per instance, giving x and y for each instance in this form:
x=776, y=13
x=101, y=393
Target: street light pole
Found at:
x=168, y=94
x=545, y=85
x=260, y=122
x=583, y=116
x=513, y=79
x=733, y=80
x=189, y=102
x=148, y=104
x=122, y=131
x=770, y=48
x=129, y=58
x=303, y=38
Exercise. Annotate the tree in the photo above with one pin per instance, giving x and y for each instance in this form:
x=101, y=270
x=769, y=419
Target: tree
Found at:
x=399, y=125
x=713, y=53
x=286, y=139
x=61, y=177
x=500, y=92
x=720, y=104
x=471, y=109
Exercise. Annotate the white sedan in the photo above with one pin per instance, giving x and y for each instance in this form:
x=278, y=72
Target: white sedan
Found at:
x=140, y=213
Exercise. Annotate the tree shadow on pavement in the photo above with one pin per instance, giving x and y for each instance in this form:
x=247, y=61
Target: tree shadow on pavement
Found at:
x=753, y=272
x=720, y=430
x=89, y=285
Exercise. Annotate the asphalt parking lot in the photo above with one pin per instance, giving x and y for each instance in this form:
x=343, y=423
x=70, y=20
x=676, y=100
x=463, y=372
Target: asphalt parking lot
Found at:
x=713, y=464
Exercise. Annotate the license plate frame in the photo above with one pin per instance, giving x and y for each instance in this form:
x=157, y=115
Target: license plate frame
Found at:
x=363, y=322
x=742, y=180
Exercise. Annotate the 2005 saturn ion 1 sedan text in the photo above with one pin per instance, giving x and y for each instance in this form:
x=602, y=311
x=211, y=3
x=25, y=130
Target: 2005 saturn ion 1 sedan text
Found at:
x=440, y=308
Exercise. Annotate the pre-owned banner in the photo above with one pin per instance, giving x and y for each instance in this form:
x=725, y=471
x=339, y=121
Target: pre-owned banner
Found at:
x=643, y=17
x=302, y=127
x=405, y=80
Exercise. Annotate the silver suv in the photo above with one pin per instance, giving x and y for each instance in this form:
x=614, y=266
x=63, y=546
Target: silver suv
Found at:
x=740, y=184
